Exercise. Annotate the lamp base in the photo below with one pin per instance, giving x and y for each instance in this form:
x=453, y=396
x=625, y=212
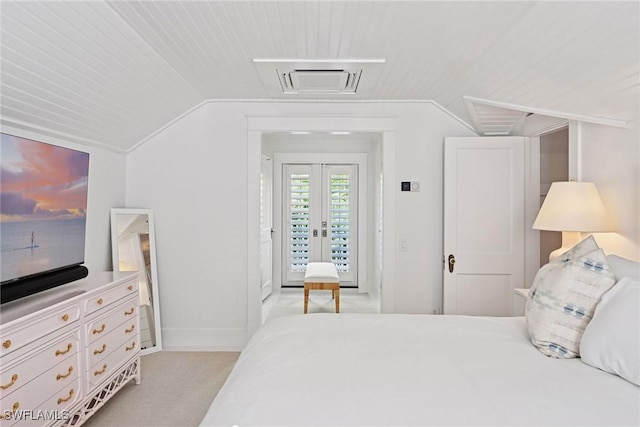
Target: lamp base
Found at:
x=569, y=240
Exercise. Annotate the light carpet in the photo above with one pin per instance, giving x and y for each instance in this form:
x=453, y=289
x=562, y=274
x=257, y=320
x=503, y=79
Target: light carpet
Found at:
x=176, y=390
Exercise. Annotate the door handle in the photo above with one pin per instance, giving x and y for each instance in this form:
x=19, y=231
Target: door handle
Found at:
x=452, y=261
x=315, y=233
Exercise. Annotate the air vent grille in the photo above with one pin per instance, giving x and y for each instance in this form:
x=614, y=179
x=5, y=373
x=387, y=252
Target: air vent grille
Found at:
x=319, y=81
x=313, y=78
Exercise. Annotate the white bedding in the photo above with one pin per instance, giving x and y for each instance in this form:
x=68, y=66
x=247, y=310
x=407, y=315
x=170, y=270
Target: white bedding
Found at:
x=393, y=370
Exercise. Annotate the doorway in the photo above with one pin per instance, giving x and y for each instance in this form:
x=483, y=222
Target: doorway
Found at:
x=381, y=280
x=320, y=220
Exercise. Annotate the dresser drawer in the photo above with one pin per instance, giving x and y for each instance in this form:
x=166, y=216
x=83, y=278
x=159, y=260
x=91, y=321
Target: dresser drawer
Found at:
x=104, y=368
x=12, y=377
x=27, y=332
x=121, y=334
x=33, y=394
x=103, y=325
x=104, y=299
x=54, y=411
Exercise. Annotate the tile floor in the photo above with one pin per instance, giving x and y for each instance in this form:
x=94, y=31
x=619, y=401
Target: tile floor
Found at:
x=291, y=301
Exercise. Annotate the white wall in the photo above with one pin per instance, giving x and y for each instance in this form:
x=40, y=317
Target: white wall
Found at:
x=106, y=190
x=611, y=159
x=193, y=174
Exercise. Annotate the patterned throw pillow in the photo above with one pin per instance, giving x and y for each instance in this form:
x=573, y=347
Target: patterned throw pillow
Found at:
x=564, y=296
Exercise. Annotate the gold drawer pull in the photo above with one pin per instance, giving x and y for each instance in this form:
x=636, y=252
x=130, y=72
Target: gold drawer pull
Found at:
x=130, y=312
x=129, y=330
x=97, y=331
x=130, y=287
x=14, y=378
x=65, y=399
x=6, y=415
x=100, y=371
x=62, y=376
x=65, y=317
x=133, y=345
x=104, y=347
x=60, y=352
x=100, y=301
x=6, y=344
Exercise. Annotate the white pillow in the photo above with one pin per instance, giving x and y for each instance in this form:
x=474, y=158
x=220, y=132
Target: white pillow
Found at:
x=623, y=267
x=611, y=341
x=563, y=298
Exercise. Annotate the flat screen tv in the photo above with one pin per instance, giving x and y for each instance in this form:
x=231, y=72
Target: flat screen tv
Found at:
x=43, y=206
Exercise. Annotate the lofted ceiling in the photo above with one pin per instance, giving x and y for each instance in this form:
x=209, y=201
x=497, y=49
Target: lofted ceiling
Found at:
x=112, y=73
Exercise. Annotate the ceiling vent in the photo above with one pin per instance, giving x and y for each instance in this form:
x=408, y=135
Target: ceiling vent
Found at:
x=318, y=77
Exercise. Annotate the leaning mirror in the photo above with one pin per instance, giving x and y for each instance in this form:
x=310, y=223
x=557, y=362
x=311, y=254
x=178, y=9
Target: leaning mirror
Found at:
x=133, y=249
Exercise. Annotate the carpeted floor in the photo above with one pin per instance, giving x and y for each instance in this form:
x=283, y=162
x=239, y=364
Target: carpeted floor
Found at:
x=176, y=390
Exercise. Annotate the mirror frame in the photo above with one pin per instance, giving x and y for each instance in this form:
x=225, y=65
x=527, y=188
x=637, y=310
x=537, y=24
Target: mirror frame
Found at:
x=154, y=271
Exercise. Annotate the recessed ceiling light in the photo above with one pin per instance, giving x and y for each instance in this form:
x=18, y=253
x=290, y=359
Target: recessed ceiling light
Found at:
x=340, y=133
x=299, y=132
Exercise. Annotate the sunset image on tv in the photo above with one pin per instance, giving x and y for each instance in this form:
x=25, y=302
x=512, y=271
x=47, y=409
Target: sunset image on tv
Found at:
x=43, y=204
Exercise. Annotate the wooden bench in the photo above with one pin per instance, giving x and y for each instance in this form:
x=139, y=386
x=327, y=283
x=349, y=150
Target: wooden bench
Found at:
x=322, y=276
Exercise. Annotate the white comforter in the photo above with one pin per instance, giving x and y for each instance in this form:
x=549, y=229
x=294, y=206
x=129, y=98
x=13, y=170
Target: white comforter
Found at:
x=395, y=370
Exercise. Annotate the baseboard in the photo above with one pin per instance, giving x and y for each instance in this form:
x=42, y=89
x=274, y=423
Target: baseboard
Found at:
x=203, y=339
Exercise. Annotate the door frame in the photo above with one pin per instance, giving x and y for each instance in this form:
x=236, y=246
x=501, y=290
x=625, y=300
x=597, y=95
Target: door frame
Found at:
x=266, y=230
x=360, y=159
x=256, y=126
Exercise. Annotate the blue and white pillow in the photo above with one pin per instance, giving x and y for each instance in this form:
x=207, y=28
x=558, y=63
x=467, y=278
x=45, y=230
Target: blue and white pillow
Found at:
x=564, y=296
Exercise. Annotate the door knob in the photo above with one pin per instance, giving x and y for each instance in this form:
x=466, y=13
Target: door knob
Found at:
x=452, y=261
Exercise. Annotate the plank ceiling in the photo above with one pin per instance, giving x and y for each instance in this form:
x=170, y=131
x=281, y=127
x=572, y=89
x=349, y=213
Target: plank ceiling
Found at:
x=112, y=73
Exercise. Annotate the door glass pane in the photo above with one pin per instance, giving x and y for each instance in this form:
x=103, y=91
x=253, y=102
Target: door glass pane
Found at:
x=299, y=220
x=339, y=211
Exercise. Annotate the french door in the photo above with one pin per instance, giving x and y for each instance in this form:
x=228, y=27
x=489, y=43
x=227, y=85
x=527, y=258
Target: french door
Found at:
x=320, y=220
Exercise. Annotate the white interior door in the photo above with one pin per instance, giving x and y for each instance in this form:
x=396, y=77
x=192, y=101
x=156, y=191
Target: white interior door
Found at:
x=320, y=220
x=484, y=224
x=266, y=226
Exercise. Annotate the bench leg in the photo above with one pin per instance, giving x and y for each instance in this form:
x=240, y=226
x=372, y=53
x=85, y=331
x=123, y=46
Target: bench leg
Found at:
x=306, y=299
x=337, y=295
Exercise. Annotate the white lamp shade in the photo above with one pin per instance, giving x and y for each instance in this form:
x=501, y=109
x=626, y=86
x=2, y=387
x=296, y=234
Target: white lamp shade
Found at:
x=573, y=206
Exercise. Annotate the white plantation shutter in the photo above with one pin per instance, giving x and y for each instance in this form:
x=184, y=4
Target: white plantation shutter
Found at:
x=340, y=210
x=340, y=218
x=299, y=208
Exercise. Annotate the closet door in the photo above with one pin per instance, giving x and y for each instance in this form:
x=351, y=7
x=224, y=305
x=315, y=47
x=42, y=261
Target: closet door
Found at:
x=484, y=224
x=320, y=205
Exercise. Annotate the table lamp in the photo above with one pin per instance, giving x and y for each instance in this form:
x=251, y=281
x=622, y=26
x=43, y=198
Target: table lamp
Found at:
x=572, y=208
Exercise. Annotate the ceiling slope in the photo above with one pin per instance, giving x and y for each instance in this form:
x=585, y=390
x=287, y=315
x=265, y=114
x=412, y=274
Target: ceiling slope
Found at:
x=112, y=73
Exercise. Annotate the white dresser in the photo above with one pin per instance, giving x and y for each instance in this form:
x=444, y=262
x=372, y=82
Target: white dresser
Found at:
x=67, y=350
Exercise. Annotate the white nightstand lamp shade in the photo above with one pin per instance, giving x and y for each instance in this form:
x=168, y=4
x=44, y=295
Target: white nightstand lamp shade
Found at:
x=572, y=207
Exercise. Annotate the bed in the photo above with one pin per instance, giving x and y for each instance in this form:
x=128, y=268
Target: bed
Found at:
x=413, y=370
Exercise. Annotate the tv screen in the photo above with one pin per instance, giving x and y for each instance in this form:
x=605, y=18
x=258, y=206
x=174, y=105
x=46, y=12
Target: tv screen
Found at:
x=43, y=204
